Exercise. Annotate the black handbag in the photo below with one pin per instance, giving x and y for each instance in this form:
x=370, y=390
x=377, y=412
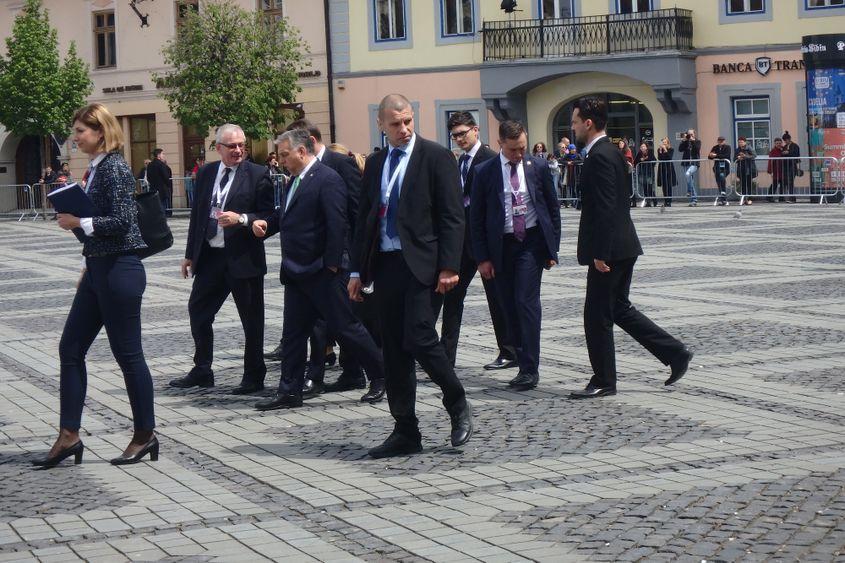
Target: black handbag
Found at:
x=152, y=223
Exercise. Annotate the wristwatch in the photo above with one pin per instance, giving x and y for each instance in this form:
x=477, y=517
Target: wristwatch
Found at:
x=242, y=219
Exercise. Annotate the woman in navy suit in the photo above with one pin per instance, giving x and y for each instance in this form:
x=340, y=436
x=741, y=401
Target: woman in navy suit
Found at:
x=108, y=294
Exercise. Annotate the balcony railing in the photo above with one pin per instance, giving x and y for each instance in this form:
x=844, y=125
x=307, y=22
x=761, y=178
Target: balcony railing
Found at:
x=656, y=30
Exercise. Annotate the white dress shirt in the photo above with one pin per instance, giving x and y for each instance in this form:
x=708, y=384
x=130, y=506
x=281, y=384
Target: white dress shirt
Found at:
x=87, y=223
x=218, y=241
x=507, y=198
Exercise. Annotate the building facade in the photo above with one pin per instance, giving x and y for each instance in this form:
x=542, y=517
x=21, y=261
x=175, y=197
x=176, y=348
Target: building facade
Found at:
x=122, y=55
x=723, y=67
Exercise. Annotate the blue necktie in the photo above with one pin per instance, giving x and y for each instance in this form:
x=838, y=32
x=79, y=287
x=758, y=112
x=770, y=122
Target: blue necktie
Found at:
x=464, y=164
x=393, y=201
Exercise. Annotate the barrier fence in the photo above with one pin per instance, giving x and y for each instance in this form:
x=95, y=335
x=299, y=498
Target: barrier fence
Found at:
x=667, y=181
x=16, y=201
x=811, y=179
x=806, y=178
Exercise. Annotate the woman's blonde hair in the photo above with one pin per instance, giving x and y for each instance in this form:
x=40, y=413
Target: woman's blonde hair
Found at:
x=358, y=158
x=99, y=118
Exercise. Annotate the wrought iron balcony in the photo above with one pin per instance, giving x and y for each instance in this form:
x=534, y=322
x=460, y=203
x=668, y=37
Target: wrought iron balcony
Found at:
x=657, y=30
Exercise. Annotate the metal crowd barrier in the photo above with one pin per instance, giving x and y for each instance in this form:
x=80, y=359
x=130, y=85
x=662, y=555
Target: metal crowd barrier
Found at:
x=667, y=181
x=569, y=184
x=17, y=200
x=279, y=181
x=816, y=179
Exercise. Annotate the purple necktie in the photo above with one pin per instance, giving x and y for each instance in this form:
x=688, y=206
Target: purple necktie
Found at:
x=516, y=199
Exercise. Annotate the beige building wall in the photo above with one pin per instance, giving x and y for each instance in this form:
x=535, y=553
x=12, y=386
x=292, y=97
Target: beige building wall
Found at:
x=545, y=100
x=138, y=53
x=355, y=98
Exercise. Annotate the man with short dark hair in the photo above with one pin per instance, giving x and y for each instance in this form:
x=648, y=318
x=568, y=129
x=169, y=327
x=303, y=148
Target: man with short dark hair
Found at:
x=160, y=178
x=408, y=241
x=464, y=132
x=515, y=236
x=720, y=154
x=608, y=245
x=690, y=149
x=311, y=223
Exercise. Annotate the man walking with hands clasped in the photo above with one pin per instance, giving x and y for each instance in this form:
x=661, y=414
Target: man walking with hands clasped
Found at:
x=608, y=245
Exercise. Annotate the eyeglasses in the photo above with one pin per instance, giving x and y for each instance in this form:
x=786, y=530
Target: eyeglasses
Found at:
x=232, y=145
x=460, y=134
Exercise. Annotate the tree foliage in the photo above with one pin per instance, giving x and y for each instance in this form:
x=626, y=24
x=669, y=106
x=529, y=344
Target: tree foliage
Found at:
x=231, y=66
x=39, y=94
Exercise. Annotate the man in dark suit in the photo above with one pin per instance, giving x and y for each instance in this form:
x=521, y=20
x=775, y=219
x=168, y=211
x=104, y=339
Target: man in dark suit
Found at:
x=160, y=178
x=515, y=235
x=312, y=226
x=224, y=257
x=352, y=376
x=464, y=131
x=408, y=242
x=608, y=245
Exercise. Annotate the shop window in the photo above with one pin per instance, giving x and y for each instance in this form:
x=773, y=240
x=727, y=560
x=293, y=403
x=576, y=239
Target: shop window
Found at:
x=632, y=6
x=736, y=7
x=390, y=20
x=104, y=39
x=553, y=9
x=271, y=9
x=821, y=4
x=753, y=120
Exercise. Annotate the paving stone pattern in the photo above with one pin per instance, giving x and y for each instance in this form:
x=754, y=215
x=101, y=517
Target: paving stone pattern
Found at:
x=743, y=460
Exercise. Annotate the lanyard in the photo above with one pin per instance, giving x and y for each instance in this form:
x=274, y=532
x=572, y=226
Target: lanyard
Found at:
x=393, y=179
x=218, y=195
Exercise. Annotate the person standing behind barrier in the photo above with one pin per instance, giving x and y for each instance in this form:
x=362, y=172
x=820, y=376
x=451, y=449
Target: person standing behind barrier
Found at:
x=608, y=245
x=572, y=170
x=792, y=167
x=746, y=169
x=109, y=293
x=160, y=178
x=666, y=177
x=775, y=168
x=645, y=174
x=515, y=228
x=690, y=149
x=720, y=153
x=224, y=257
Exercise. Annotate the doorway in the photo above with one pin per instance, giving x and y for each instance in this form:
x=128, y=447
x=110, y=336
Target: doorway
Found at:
x=627, y=118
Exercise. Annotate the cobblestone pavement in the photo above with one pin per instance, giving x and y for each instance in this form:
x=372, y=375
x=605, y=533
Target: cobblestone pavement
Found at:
x=743, y=460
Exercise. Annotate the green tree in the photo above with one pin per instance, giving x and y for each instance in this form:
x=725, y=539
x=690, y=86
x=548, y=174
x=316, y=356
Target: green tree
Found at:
x=231, y=66
x=39, y=94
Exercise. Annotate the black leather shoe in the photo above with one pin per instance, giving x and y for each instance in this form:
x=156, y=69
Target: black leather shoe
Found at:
x=74, y=450
x=150, y=447
x=247, y=388
x=375, y=393
x=331, y=359
x=311, y=389
x=192, y=380
x=396, y=444
x=679, y=366
x=462, y=425
x=591, y=392
x=502, y=362
x=279, y=402
x=524, y=381
x=346, y=383
x=275, y=355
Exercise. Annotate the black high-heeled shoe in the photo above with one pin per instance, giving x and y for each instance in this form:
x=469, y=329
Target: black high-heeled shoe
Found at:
x=74, y=450
x=150, y=447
